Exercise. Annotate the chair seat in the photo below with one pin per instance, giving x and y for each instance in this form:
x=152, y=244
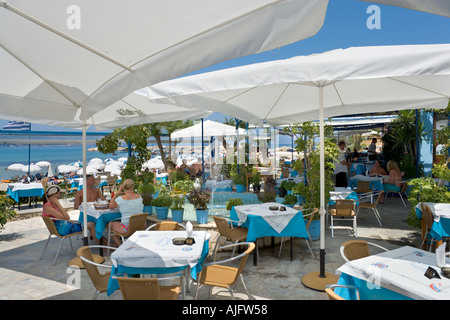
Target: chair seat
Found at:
x=239, y=234
x=333, y=213
x=219, y=276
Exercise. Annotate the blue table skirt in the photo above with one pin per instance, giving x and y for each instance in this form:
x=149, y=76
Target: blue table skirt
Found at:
x=357, y=169
x=258, y=227
x=438, y=229
x=367, y=291
x=15, y=195
x=113, y=284
x=101, y=222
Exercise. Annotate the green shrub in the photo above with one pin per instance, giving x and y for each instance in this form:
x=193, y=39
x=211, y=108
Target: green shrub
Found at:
x=290, y=199
x=5, y=212
x=178, y=202
x=163, y=200
x=199, y=198
x=233, y=202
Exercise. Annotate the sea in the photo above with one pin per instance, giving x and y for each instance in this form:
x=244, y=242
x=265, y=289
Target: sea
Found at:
x=55, y=154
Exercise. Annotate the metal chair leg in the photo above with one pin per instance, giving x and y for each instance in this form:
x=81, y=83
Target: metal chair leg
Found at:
x=45, y=248
x=59, y=248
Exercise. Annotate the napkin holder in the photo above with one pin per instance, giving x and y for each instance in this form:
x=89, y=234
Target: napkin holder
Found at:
x=431, y=273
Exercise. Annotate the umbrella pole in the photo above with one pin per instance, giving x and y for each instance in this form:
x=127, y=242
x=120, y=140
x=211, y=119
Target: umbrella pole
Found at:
x=319, y=280
x=85, y=238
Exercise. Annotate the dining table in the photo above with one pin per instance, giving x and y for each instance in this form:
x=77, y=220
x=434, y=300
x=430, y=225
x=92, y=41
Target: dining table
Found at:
x=24, y=190
x=405, y=273
x=101, y=217
x=156, y=252
x=441, y=219
x=376, y=182
x=263, y=221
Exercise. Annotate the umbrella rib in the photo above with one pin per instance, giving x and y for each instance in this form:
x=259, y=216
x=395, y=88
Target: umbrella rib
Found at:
x=418, y=87
x=65, y=36
x=39, y=75
x=278, y=99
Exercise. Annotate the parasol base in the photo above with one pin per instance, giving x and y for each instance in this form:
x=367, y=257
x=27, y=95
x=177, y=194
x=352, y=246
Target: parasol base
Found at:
x=78, y=263
x=314, y=281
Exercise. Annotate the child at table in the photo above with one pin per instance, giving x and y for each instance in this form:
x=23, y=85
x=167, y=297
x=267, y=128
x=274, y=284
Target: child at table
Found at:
x=53, y=208
x=129, y=203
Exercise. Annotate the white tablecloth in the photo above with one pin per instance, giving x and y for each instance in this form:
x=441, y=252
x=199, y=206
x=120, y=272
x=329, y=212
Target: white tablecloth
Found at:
x=25, y=186
x=277, y=219
x=340, y=193
x=154, y=249
x=438, y=209
x=91, y=211
x=360, y=177
x=401, y=270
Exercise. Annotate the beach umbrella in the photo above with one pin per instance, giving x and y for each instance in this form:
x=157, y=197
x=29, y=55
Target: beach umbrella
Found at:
x=50, y=172
x=66, y=169
x=16, y=166
x=345, y=81
x=31, y=168
x=43, y=164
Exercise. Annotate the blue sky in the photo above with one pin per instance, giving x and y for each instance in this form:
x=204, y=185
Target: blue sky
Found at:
x=345, y=26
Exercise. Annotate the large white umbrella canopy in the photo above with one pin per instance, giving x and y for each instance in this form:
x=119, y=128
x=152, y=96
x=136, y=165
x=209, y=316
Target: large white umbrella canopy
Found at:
x=43, y=164
x=68, y=60
x=31, y=168
x=16, y=166
x=210, y=129
x=354, y=80
x=66, y=168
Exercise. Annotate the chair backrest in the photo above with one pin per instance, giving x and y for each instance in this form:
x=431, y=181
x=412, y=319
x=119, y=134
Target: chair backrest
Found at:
x=285, y=172
x=344, y=207
x=139, y=288
x=355, y=249
x=44, y=183
x=405, y=185
x=51, y=226
x=363, y=186
x=222, y=226
x=311, y=216
x=111, y=180
x=427, y=215
x=166, y=226
x=97, y=181
x=137, y=222
x=333, y=296
x=251, y=247
x=96, y=277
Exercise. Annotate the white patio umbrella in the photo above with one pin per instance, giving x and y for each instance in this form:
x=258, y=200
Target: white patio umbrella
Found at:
x=50, y=172
x=210, y=129
x=16, y=166
x=43, y=164
x=109, y=49
x=354, y=80
x=64, y=168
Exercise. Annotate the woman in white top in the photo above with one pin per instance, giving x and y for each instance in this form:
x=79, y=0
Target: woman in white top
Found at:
x=129, y=203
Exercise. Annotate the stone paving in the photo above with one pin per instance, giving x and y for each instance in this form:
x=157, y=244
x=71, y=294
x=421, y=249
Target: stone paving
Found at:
x=24, y=276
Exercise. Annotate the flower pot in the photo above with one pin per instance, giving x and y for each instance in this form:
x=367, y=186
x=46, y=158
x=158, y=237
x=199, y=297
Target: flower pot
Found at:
x=177, y=215
x=240, y=188
x=148, y=209
x=202, y=216
x=162, y=212
x=314, y=229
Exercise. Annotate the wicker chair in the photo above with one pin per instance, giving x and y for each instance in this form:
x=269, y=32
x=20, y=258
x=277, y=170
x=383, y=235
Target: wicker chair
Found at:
x=166, y=226
x=427, y=220
x=401, y=192
x=226, y=229
x=373, y=206
x=68, y=189
x=49, y=222
x=136, y=222
x=111, y=183
x=363, y=189
x=149, y=288
x=357, y=249
x=333, y=296
x=215, y=274
x=344, y=210
x=99, y=280
x=310, y=217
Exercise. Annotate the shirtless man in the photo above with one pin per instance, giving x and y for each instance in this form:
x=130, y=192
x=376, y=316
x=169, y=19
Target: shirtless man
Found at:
x=93, y=194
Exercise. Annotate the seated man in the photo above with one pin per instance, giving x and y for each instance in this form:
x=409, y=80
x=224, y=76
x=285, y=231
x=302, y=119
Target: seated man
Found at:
x=93, y=194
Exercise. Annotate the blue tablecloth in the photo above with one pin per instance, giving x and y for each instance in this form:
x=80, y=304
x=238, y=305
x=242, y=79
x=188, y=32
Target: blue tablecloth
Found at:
x=258, y=227
x=367, y=291
x=100, y=222
x=113, y=284
x=439, y=229
x=24, y=193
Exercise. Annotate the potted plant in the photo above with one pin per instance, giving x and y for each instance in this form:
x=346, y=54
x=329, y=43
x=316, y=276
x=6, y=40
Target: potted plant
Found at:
x=239, y=179
x=162, y=203
x=233, y=202
x=200, y=199
x=177, y=207
x=290, y=200
x=5, y=212
x=147, y=190
x=256, y=180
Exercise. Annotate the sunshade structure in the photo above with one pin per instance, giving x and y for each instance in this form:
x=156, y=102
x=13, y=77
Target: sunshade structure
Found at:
x=71, y=59
x=350, y=81
x=207, y=129
x=64, y=61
